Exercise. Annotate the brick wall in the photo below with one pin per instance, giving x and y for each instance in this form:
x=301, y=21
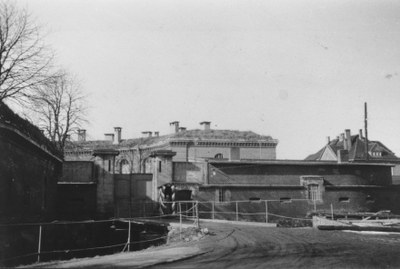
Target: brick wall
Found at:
x=28, y=179
x=210, y=152
x=78, y=171
x=289, y=174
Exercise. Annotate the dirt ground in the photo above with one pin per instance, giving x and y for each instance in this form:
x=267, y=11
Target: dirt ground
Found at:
x=242, y=246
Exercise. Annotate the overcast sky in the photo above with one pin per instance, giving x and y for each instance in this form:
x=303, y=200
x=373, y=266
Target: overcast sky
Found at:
x=296, y=70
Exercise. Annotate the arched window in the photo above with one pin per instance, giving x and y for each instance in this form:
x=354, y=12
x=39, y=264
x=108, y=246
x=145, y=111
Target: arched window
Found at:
x=124, y=167
x=219, y=156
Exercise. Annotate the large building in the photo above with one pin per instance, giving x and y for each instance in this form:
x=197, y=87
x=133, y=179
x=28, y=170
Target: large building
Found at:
x=105, y=169
x=354, y=148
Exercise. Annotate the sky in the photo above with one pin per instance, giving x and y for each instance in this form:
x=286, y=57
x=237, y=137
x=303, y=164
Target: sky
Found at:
x=298, y=70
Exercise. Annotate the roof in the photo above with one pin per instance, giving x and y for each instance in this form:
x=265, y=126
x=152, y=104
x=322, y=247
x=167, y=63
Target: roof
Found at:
x=12, y=120
x=188, y=135
x=294, y=162
x=357, y=151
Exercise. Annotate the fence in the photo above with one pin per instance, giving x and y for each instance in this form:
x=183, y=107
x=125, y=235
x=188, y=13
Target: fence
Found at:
x=35, y=242
x=63, y=240
x=257, y=210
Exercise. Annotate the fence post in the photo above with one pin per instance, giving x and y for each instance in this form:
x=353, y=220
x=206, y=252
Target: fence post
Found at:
x=212, y=209
x=180, y=220
x=40, y=243
x=197, y=215
x=237, y=211
x=331, y=211
x=129, y=236
x=266, y=211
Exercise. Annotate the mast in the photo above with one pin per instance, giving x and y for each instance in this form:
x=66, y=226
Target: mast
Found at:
x=366, y=131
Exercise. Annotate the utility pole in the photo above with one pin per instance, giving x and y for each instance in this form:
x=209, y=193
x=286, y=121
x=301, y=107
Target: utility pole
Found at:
x=366, y=131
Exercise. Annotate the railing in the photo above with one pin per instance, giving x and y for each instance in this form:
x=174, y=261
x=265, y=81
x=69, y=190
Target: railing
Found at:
x=249, y=210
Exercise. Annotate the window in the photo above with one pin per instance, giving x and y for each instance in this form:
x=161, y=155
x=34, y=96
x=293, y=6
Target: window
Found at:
x=313, y=192
x=124, y=167
x=219, y=156
x=219, y=195
x=255, y=199
x=285, y=200
x=159, y=166
x=228, y=195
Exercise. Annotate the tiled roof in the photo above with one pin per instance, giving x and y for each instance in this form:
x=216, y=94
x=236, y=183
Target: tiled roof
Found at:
x=357, y=150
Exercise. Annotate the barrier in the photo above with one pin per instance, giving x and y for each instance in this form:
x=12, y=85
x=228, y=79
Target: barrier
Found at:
x=187, y=212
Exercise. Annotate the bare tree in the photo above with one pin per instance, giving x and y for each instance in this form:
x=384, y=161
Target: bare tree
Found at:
x=24, y=59
x=59, y=107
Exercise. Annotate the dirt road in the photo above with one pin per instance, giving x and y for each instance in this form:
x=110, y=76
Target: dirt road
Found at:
x=238, y=246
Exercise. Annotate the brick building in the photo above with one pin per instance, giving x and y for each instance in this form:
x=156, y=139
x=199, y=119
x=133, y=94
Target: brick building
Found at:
x=352, y=148
x=121, y=167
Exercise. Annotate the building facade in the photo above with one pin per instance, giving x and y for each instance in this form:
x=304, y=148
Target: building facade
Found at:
x=116, y=161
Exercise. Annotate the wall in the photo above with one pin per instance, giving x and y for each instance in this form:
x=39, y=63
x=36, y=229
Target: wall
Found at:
x=195, y=152
x=289, y=174
x=105, y=185
x=191, y=172
x=78, y=171
x=347, y=188
x=76, y=201
x=28, y=178
x=360, y=199
x=131, y=192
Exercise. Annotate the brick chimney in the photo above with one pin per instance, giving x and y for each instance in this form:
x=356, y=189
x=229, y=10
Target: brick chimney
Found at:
x=360, y=135
x=206, y=125
x=81, y=135
x=156, y=133
x=147, y=134
x=117, y=135
x=328, y=140
x=342, y=156
x=341, y=138
x=174, y=126
x=347, y=140
x=109, y=137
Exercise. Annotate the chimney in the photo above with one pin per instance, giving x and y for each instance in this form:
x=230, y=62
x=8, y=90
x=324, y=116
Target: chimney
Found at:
x=360, y=134
x=206, y=125
x=342, y=156
x=328, y=140
x=182, y=129
x=109, y=137
x=347, y=140
x=117, y=135
x=147, y=134
x=341, y=138
x=174, y=126
x=156, y=133
x=81, y=135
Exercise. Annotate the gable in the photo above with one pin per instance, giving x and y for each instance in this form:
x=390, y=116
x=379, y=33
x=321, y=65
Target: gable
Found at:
x=328, y=155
